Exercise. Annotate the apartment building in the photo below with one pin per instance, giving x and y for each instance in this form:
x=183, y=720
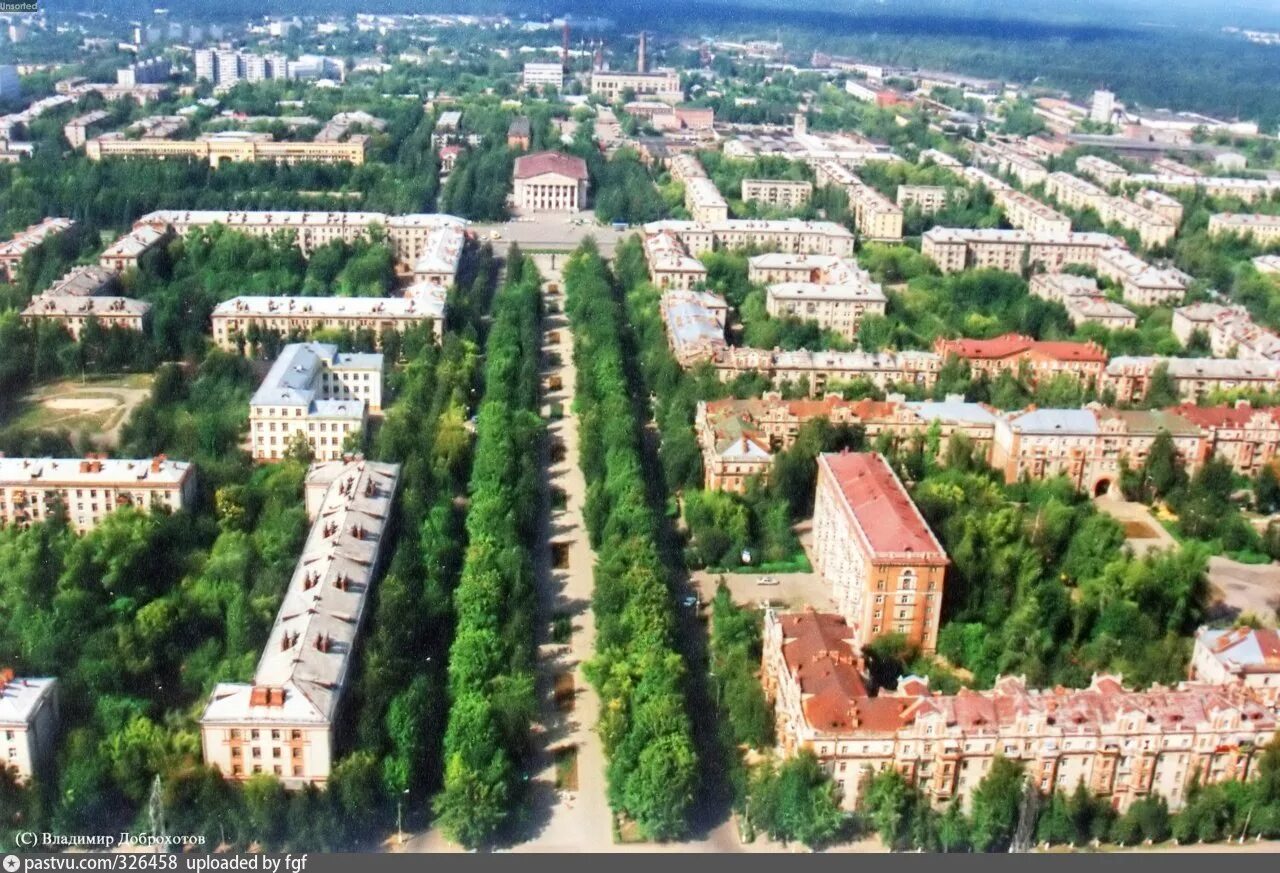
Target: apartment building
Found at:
x=12, y=251
x=1141, y=283
x=874, y=548
x=1121, y=744
x=929, y=199
x=1240, y=655
x=123, y=254
x=1264, y=229
x=1154, y=230
x=703, y=200
x=1161, y=204
x=314, y=391
x=1073, y=192
x=1013, y=251
x=1248, y=190
x=1010, y=160
x=835, y=293
x=230, y=146
x=1231, y=330
x=695, y=322
x=284, y=723
x=539, y=75
x=1105, y=172
x=685, y=167
x=1029, y=214
x=1037, y=360
x=29, y=721
x=77, y=129
x=785, y=235
x=76, y=313
x=663, y=85
x=32, y=490
x=886, y=370
x=1245, y=436
x=1128, y=378
x=876, y=216
x=1083, y=300
x=670, y=266
x=777, y=193
x=550, y=182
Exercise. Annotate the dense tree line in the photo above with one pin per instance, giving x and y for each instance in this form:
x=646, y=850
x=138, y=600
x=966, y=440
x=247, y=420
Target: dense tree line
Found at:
x=491, y=660
x=645, y=725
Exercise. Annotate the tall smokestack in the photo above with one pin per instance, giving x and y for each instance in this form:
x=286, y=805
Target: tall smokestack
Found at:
x=640, y=60
x=564, y=46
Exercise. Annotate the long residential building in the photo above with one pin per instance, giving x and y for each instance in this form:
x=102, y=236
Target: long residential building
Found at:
x=29, y=720
x=1083, y=300
x=427, y=245
x=833, y=292
x=1016, y=354
x=1005, y=157
x=1027, y=213
x=1140, y=282
x=670, y=266
x=1121, y=744
x=876, y=216
x=75, y=313
x=124, y=253
x=784, y=235
x=704, y=201
x=1013, y=251
x=1248, y=190
x=284, y=723
x=316, y=393
x=12, y=251
x=818, y=370
x=777, y=193
x=33, y=490
x=219, y=149
x=1128, y=378
x=1264, y=229
x=1231, y=331
x=885, y=567
x=663, y=85
x=1244, y=655
x=1153, y=228
x=695, y=322
x=1106, y=172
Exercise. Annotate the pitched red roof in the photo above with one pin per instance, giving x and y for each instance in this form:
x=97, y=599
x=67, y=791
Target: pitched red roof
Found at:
x=1012, y=344
x=1224, y=415
x=881, y=506
x=540, y=163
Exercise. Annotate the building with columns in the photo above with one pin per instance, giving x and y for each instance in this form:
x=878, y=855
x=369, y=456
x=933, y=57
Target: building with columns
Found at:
x=550, y=182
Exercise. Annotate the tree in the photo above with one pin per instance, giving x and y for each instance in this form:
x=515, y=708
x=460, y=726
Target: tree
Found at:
x=996, y=805
x=796, y=800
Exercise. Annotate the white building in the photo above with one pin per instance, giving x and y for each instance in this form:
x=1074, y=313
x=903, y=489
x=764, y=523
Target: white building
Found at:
x=1103, y=107
x=542, y=75
x=33, y=490
x=1239, y=654
x=283, y=724
x=28, y=723
x=550, y=182
x=317, y=392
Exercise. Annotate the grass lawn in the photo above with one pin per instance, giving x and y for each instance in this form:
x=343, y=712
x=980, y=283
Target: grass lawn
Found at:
x=97, y=407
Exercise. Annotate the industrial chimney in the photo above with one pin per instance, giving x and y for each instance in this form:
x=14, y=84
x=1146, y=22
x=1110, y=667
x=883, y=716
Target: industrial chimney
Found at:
x=640, y=61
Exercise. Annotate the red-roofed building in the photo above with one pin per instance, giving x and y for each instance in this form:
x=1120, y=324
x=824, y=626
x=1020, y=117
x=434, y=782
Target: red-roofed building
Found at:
x=874, y=548
x=1043, y=359
x=550, y=182
x=1121, y=744
x=1246, y=436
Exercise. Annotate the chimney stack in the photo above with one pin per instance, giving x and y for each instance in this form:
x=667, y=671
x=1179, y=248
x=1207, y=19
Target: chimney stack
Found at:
x=640, y=60
x=564, y=46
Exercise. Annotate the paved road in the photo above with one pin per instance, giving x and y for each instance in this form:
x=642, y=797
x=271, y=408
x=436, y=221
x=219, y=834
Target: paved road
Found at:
x=550, y=232
x=1237, y=588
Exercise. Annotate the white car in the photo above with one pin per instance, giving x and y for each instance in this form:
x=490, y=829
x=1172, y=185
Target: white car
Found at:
x=766, y=580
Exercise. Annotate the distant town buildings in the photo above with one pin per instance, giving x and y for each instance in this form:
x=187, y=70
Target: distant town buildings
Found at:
x=316, y=393
x=785, y=235
x=230, y=146
x=876, y=216
x=1083, y=300
x=539, y=75
x=285, y=722
x=1264, y=229
x=873, y=547
x=550, y=182
x=1014, y=251
x=33, y=490
x=1128, y=378
x=663, y=85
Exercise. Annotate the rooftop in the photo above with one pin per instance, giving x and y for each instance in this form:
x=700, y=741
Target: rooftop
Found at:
x=54, y=472
x=890, y=522
x=542, y=163
x=20, y=698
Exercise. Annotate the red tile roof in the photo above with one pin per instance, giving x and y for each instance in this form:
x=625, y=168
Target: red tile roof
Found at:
x=1225, y=415
x=539, y=163
x=819, y=653
x=889, y=520
x=1013, y=344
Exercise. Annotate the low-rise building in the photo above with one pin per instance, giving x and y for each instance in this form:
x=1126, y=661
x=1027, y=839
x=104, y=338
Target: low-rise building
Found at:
x=285, y=722
x=1161, y=204
x=1128, y=378
x=695, y=322
x=1242, y=655
x=777, y=193
x=1020, y=356
x=519, y=134
x=873, y=547
x=539, y=75
x=1106, y=172
x=1013, y=251
x=12, y=251
x=1245, y=436
x=1083, y=300
x=1029, y=214
x=229, y=147
x=29, y=721
x=550, y=182
x=704, y=201
x=927, y=198
x=77, y=129
x=236, y=321
x=315, y=392
x=1142, y=283
x=1264, y=229
x=75, y=313
x=784, y=235
x=123, y=254
x=1231, y=331
x=661, y=85
x=33, y=490
x=835, y=293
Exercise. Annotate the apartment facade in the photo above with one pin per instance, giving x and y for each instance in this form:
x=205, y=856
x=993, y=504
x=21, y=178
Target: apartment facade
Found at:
x=1244, y=655
x=12, y=251
x=284, y=722
x=1013, y=251
x=929, y=199
x=75, y=313
x=818, y=370
x=33, y=490
x=835, y=293
x=29, y=720
x=221, y=149
x=785, y=235
x=670, y=266
x=1264, y=229
x=873, y=547
x=1019, y=355
x=1128, y=378
x=1141, y=283
x=778, y=193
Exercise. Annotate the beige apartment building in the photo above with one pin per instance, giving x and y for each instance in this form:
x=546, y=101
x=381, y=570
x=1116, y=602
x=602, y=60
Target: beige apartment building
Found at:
x=1039, y=360
x=778, y=193
x=876, y=216
x=318, y=393
x=285, y=722
x=670, y=266
x=1239, y=655
x=1245, y=436
x=834, y=292
x=886, y=370
x=1161, y=204
x=1128, y=378
x=873, y=547
x=929, y=199
x=550, y=182
x=703, y=200
x=1027, y=213
x=1231, y=331
x=123, y=254
x=1141, y=283
x=32, y=490
x=784, y=235
x=1121, y=744
x=1011, y=160
x=1072, y=191
x=1013, y=251
x=1083, y=300
x=236, y=321
x=29, y=721
x=74, y=313
x=1264, y=229
x=220, y=149
x=1154, y=230
x=663, y=85
x=1106, y=172
x=12, y=251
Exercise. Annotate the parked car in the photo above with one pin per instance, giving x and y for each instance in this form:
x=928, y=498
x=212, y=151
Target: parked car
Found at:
x=766, y=580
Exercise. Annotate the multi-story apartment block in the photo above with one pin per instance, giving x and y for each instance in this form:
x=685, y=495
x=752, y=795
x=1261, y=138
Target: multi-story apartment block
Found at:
x=32, y=490
x=1141, y=283
x=876, y=216
x=1014, y=251
x=778, y=193
x=1153, y=228
x=927, y=198
x=670, y=266
x=28, y=724
x=74, y=313
x=1264, y=229
x=1121, y=744
x=1020, y=355
x=539, y=75
x=318, y=393
x=1161, y=204
x=284, y=723
x=1128, y=378
x=1231, y=331
x=1247, y=437
x=1029, y=214
x=703, y=200
x=834, y=292
x=886, y=370
x=695, y=322
x=77, y=129
x=1072, y=191
x=661, y=85
x=1106, y=172
x=1248, y=190
x=123, y=254
x=14, y=250
x=1083, y=300
x=550, y=182
x=872, y=545
x=230, y=146
x=1239, y=655
x=786, y=235
x=1011, y=160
